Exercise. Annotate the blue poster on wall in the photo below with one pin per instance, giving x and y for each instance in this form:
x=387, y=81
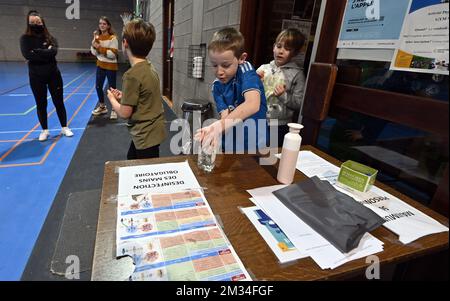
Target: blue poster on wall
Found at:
x=372, y=23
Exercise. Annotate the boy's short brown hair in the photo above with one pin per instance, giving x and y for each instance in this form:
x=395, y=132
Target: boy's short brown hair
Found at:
x=293, y=40
x=228, y=39
x=140, y=36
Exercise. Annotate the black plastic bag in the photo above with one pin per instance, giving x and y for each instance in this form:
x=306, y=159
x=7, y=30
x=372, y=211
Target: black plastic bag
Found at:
x=337, y=217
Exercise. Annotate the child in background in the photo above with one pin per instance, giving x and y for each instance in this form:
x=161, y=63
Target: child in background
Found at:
x=105, y=48
x=283, y=80
x=238, y=93
x=141, y=99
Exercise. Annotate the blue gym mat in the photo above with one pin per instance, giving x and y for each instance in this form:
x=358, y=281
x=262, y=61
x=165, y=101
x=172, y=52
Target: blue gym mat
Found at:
x=32, y=171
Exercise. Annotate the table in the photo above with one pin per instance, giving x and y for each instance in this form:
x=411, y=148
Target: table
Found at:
x=226, y=191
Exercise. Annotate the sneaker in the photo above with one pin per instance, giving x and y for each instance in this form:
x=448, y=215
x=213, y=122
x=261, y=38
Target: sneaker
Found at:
x=44, y=135
x=66, y=132
x=100, y=110
x=113, y=115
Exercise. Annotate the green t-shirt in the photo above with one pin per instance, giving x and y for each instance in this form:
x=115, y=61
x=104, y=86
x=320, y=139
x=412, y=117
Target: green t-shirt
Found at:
x=141, y=90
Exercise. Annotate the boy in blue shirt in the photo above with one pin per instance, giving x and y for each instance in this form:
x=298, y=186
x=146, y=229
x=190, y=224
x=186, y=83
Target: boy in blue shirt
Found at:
x=239, y=96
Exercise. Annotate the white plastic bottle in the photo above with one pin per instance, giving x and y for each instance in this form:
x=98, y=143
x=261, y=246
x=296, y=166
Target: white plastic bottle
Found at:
x=289, y=154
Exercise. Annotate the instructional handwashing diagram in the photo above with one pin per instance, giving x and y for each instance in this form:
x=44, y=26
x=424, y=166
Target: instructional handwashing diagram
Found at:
x=195, y=255
x=172, y=234
x=173, y=213
x=148, y=202
x=150, y=224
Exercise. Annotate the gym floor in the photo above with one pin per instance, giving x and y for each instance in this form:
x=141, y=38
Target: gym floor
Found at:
x=50, y=190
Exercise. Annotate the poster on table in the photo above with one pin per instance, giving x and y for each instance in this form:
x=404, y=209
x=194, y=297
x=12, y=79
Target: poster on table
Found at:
x=156, y=177
x=304, y=27
x=165, y=224
x=175, y=236
x=372, y=23
x=424, y=42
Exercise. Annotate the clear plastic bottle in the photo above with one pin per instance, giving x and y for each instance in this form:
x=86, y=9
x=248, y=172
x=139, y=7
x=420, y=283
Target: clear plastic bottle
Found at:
x=289, y=154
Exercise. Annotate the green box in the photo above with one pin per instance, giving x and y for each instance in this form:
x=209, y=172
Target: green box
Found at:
x=357, y=176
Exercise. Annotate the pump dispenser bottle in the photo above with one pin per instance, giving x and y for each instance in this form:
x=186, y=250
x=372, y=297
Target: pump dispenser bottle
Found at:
x=289, y=154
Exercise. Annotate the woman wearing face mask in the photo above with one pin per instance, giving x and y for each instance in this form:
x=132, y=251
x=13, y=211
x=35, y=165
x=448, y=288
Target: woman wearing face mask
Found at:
x=40, y=49
x=105, y=47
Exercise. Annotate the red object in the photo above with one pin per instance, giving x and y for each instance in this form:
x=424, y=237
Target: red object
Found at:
x=238, y=277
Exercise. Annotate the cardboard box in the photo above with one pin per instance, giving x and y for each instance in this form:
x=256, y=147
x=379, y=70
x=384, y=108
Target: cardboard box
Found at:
x=357, y=176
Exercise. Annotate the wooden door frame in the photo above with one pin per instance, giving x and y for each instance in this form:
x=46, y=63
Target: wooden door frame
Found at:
x=167, y=61
x=253, y=26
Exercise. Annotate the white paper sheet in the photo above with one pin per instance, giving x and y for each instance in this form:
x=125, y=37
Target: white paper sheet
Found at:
x=304, y=237
x=312, y=165
x=156, y=178
x=402, y=219
x=278, y=242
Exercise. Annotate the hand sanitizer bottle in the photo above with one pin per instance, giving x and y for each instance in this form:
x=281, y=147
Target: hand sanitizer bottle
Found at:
x=289, y=154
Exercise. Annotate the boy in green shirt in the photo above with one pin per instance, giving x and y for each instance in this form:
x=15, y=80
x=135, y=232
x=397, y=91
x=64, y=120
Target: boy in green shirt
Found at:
x=141, y=100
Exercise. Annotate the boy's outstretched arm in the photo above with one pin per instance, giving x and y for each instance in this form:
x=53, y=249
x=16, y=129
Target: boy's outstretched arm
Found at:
x=208, y=135
x=249, y=107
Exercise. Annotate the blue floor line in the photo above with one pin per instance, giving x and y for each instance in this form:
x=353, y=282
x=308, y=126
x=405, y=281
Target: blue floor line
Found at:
x=27, y=193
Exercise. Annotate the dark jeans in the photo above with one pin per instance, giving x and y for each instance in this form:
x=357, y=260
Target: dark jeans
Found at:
x=100, y=80
x=39, y=84
x=148, y=153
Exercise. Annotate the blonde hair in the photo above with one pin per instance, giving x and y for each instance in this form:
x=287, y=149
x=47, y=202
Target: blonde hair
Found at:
x=293, y=40
x=228, y=39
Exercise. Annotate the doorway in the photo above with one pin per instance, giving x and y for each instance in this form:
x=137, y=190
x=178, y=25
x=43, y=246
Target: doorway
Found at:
x=262, y=21
x=168, y=49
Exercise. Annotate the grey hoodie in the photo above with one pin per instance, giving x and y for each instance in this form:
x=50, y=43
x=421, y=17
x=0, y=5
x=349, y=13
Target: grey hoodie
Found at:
x=284, y=106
